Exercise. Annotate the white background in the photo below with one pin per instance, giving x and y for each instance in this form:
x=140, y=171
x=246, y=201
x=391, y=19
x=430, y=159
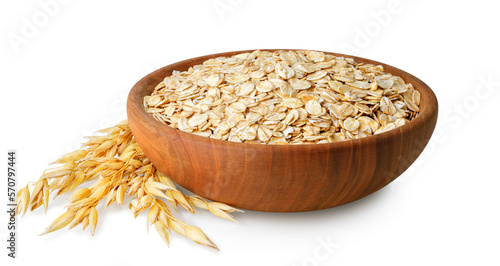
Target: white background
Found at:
x=70, y=75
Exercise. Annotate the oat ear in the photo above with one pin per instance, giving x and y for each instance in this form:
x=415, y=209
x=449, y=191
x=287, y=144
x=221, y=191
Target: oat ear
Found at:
x=46, y=193
x=152, y=215
x=194, y=233
x=93, y=220
x=220, y=213
x=163, y=232
x=60, y=222
x=130, y=170
x=22, y=201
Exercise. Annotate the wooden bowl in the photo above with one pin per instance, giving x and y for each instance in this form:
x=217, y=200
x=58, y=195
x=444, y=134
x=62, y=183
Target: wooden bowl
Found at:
x=280, y=178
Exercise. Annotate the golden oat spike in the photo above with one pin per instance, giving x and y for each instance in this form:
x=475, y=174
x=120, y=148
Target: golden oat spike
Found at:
x=23, y=201
x=39, y=185
x=198, y=201
x=164, y=219
x=152, y=215
x=164, y=207
x=218, y=209
x=110, y=198
x=85, y=223
x=93, y=220
x=154, y=191
x=79, y=194
x=46, y=193
x=163, y=232
x=60, y=222
x=220, y=213
x=158, y=185
x=177, y=225
x=79, y=178
x=224, y=207
x=120, y=194
x=194, y=233
x=79, y=216
x=182, y=201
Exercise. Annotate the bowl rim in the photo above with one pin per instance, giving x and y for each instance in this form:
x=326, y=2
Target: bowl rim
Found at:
x=427, y=110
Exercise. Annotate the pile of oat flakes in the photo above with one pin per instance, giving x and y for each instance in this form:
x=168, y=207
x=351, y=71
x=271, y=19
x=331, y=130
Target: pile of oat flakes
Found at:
x=283, y=97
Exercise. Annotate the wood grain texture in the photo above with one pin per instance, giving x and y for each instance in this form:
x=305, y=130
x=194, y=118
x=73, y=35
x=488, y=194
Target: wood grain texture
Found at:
x=280, y=178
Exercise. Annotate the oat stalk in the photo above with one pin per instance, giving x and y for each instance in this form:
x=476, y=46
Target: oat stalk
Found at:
x=118, y=167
